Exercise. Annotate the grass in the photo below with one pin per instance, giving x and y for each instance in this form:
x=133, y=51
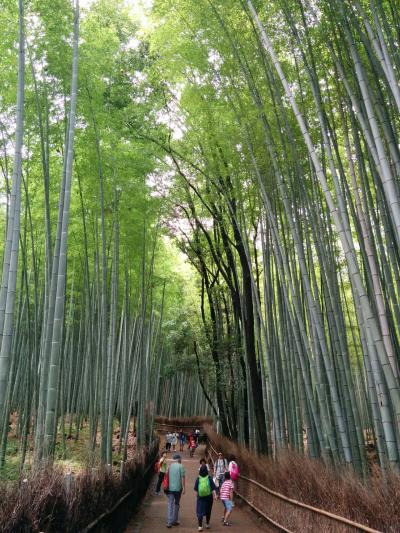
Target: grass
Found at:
x=76, y=456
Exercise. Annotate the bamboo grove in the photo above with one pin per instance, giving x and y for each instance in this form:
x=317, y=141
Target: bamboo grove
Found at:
x=81, y=301
x=284, y=143
x=257, y=139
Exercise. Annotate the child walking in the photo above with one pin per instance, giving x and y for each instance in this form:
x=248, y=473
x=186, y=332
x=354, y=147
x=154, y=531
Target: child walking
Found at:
x=226, y=495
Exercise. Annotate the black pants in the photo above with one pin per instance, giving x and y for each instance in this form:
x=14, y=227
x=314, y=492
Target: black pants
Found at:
x=168, y=446
x=203, y=508
x=161, y=476
x=221, y=479
x=200, y=519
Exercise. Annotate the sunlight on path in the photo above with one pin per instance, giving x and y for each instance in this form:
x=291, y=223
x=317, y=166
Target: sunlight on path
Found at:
x=151, y=517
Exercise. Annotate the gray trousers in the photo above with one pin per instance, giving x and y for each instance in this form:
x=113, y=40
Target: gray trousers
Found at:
x=173, y=506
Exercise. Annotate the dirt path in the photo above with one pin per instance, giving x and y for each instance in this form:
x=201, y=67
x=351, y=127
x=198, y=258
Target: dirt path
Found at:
x=152, y=516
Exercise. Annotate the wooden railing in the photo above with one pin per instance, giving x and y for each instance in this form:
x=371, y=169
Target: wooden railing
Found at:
x=291, y=502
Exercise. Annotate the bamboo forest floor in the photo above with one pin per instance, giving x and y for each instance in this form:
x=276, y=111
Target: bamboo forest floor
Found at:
x=152, y=515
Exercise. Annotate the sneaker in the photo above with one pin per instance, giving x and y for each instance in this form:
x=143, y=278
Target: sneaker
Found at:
x=207, y=526
x=169, y=526
x=175, y=523
x=200, y=528
x=222, y=519
x=226, y=524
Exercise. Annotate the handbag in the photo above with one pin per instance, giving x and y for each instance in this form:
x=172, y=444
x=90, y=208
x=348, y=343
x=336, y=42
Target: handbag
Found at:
x=165, y=481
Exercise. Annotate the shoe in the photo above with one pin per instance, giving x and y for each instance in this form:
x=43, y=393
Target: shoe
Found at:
x=169, y=526
x=175, y=523
x=226, y=524
x=200, y=528
x=207, y=526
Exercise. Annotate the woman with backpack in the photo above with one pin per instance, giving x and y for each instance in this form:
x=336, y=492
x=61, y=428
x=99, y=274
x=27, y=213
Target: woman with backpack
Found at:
x=233, y=471
x=192, y=444
x=162, y=468
x=206, y=490
x=220, y=467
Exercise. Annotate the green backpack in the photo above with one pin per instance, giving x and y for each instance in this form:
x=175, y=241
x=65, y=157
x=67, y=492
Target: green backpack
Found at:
x=204, y=486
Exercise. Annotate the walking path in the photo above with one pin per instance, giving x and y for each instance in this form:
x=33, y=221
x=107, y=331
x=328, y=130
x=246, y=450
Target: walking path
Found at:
x=152, y=515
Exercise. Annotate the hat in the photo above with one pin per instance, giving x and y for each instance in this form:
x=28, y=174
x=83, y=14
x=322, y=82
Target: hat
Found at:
x=176, y=457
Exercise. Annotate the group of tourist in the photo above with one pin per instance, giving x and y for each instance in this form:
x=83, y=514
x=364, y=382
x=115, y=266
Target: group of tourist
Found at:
x=211, y=485
x=172, y=439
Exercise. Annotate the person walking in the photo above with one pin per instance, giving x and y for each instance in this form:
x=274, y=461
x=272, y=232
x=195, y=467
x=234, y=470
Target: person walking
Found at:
x=206, y=491
x=192, y=444
x=162, y=471
x=226, y=496
x=182, y=440
x=203, y=462
x=176, y=487
x=168, y=440
x=220, y=467
x=174, y=440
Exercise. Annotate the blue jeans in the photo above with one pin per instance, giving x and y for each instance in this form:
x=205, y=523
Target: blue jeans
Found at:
x=173, y=506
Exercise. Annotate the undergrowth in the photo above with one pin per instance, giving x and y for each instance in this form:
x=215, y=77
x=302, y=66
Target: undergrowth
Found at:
x=41, y=502
x=373, y=502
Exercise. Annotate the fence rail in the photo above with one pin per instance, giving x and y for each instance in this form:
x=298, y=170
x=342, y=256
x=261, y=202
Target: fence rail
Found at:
x=317, y=511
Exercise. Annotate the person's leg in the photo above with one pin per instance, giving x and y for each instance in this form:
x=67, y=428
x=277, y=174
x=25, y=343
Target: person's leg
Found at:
x=177, y=499
x=159, y=482
x=200, y=521
x=229, y=507
x=208, y=513
x=219, y=483
x=225, y=510
x=170, y=519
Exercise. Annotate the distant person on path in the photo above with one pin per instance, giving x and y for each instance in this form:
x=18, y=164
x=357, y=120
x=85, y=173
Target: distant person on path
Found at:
x=174, y=440
x=203, y=462
x=197, y=436
x=168, y=440
x=182, y=440
x=192, y=444
x=206, y=490
x=220, y=467
x=226, y=495
x=162, y=471
x=176, y=488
